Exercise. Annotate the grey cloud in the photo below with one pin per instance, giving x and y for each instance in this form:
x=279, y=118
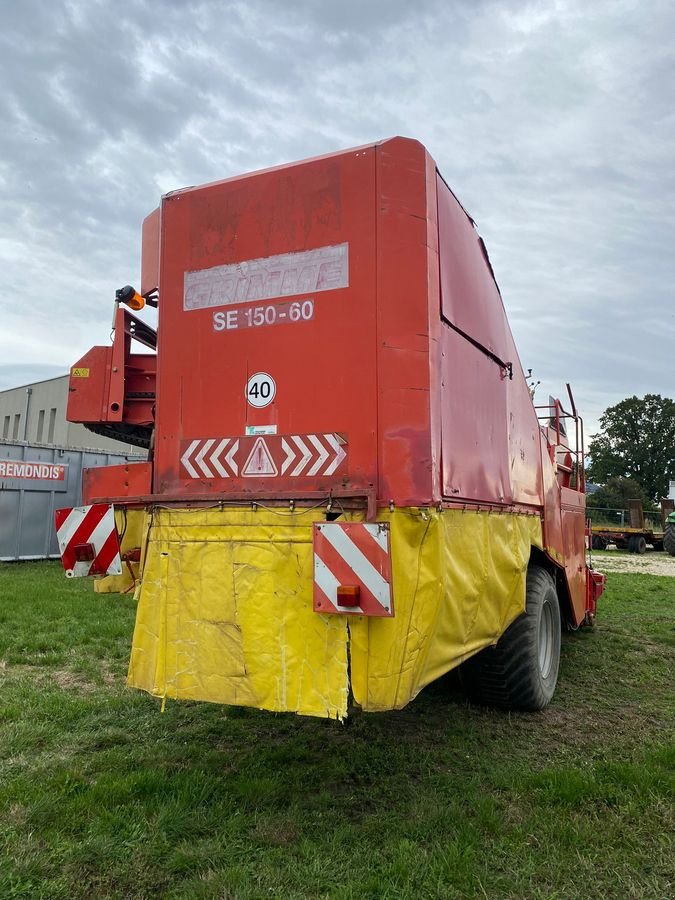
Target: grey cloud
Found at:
x=552, y=123
x=20, y=374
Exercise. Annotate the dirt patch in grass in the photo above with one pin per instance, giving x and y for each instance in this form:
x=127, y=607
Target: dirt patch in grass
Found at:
x=66, y=679
x=650, y=563
x=276, y=834
x=580, y=725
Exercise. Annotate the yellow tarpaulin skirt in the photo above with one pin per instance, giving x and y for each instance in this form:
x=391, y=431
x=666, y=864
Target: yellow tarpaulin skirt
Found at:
x=130, y=525
x=225, y=607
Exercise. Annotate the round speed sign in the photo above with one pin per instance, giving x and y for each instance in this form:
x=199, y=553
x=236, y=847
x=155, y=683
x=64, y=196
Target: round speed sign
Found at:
x=260, y=389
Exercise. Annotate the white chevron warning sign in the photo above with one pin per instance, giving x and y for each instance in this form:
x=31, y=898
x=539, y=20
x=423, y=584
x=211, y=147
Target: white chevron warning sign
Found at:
x=274, y=456
x=218, y=463
x=352, y=568
x=259, y=462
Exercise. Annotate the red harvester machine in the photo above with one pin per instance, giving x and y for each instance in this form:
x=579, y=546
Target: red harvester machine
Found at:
x=348, y=491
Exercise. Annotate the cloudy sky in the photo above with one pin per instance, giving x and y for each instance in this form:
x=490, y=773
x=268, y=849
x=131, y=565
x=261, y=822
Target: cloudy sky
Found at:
x=553, y=121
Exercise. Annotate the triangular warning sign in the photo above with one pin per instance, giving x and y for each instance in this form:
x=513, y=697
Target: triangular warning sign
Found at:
x=259, y=461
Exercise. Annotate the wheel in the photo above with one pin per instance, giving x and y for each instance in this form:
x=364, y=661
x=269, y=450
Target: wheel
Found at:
x=669, y=538
x=637, y=544
x=598, y=542
x=521, y=672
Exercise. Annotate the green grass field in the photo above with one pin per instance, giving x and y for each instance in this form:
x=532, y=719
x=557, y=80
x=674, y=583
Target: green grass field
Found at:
x=101, y=795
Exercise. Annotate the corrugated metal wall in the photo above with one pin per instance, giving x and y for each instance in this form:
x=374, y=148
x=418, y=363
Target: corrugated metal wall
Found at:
x=27, y=504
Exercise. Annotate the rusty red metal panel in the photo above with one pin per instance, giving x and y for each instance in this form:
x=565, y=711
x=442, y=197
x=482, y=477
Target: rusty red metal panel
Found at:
x=474, y=424
x=595, y=585
x=88, y=387
x=435, y=328
x=490, y=433
x=552, y=526
x=293, y=249
x=407, y=466
x=470, y=299
x=573, y=507
x=525, y=461
x=116, y=482
x=563, y=515
x=112, y=384
x=150, y=252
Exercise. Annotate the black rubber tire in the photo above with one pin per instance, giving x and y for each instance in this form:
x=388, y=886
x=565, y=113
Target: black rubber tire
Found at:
x=521, y=672
x=598, y=542
x=637, y=544
x=669, y=538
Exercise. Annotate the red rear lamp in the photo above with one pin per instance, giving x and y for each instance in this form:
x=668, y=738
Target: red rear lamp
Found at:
x=84, y=552
x=348, y=595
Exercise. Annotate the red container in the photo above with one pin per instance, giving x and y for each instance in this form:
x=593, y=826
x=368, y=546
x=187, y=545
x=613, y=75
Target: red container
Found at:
x=324, y=276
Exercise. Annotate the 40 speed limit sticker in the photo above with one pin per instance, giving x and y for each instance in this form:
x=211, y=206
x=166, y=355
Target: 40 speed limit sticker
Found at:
x=260, y=389
x=286, y=312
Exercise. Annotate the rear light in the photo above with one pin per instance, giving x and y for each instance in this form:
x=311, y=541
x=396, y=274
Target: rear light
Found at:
x=348, y=595
x=84, y=552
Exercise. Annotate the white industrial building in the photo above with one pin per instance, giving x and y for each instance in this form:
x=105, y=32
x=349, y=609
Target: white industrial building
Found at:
x=36, y=414
x=42, y=457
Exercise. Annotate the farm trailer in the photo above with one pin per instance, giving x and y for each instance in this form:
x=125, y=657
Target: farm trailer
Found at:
x=633, y=537
x=349, y=492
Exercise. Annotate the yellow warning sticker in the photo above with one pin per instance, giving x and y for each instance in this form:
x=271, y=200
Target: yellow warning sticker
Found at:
x=79, y=373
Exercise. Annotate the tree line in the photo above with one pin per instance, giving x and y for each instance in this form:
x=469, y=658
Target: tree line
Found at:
x=633, y=454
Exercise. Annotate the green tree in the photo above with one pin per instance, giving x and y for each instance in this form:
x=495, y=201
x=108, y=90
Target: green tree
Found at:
x=616, y=493
x=636, y=440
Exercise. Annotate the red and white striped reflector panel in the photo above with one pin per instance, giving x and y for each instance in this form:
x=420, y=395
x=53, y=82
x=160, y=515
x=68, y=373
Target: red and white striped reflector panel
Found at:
x=81, y=528
x=353, y=554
